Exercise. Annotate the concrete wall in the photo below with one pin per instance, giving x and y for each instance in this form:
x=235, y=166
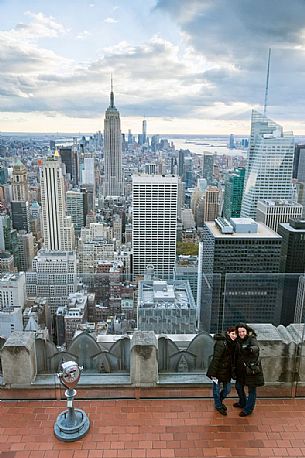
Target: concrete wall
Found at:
x=282, y=353
x=18, y=358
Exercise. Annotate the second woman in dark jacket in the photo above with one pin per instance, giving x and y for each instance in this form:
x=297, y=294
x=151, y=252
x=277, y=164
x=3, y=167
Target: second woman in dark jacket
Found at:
x=248, y=368
x=221, y=366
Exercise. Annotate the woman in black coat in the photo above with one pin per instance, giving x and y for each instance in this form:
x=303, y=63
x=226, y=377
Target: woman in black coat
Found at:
x=248, y=368
x=220, y=368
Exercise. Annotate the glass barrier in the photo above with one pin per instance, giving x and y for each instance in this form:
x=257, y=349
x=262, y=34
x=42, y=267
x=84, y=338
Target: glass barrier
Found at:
x=92, y=318
x=273, y=305
x=300, y=335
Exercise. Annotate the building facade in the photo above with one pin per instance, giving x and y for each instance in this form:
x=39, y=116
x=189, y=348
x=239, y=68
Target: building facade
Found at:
x=166, y=307
x=236, y=259
x=113, y=184
x=69, y=157
x=26, y=250
x=12, y=290
x=292, y=265
x=208, y=168
x=272, y=212
x=299, y=163
x=233, y=193
x=20, y=215
x=269, y=166
x=154, y=223
x=58, y=231
x=211, y=208
x=53, y=276
x=75, y=209
x=293, y=246
x=19, y=182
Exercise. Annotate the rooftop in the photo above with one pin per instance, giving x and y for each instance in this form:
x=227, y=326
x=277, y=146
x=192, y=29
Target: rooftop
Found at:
x=294, y=226
x=278, y=203
x=263, y=232
x=10, y=277
x=165, y=294
x=155, y=429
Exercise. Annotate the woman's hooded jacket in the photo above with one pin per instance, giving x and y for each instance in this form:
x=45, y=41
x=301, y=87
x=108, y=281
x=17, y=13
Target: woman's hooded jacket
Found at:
x=221, y=365
x=247, y=351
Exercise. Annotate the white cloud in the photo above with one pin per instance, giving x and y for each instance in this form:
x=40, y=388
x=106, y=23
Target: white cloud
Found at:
x=159, y=78
x=110, y=20
x=234, y=42
x=83, y=35
x=39, y=27
x=19, y=49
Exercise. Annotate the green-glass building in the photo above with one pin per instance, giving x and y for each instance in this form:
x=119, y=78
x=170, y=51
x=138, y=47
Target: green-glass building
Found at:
x=234, y=187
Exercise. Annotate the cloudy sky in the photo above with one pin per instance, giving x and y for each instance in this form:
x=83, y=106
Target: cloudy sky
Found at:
x=188, y=66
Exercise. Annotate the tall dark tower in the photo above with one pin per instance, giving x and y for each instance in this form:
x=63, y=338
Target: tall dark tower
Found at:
x=113, y=184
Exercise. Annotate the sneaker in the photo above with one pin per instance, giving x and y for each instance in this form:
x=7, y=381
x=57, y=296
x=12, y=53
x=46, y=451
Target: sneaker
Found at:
x=224, y=407
x=222, y=411
x=244, y=414
x=236, y=404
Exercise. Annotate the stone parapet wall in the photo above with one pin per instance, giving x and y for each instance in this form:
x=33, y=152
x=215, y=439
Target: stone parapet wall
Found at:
x=145, y=364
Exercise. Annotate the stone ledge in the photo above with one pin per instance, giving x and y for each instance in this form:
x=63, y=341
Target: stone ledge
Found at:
x=175, y=378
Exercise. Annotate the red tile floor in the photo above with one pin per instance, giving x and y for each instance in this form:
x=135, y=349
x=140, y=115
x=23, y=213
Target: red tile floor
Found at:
x=155, y=429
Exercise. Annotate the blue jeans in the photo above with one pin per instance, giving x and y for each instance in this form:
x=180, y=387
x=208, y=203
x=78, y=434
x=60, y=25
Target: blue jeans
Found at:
x=220, y=394
x=247, y=403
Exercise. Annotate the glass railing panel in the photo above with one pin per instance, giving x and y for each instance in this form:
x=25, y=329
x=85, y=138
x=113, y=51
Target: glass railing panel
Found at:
x=273, y=306
x=92, y=318
x=299, y=330
x=209, y=302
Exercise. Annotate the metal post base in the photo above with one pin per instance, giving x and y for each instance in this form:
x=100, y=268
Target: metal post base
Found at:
x=71, y=425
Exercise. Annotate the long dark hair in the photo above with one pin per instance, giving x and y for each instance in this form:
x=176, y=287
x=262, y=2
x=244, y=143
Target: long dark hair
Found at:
x=250, y=331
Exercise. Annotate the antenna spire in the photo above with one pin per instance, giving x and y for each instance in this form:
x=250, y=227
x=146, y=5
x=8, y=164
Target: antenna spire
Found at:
x=111, y=93
x=267, y=83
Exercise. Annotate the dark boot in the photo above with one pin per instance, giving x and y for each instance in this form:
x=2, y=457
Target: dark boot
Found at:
x=222, y=411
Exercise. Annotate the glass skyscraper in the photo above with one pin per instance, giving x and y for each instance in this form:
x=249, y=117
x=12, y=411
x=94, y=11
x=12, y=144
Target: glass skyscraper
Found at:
x=234, y=186
x=270, y=164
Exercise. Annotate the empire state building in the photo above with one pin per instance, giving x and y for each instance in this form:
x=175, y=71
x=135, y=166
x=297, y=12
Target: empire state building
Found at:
x=113, y=184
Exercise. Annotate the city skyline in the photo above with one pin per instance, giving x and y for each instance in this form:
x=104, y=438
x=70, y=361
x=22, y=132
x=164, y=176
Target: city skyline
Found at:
x=56, y=69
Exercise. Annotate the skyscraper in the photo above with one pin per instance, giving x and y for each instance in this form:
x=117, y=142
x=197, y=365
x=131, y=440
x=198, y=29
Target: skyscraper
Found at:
x=299, y=163
x=26, y=249
x=234, y=186
x=208, y=167
x=88, y=171
x=129, y=137
x=273, y=212
x=19, y=182
x=231, y=141
x=53, y=276
x=144, y=131
x=270, y=163
x=12, y=290
x=113, y=184
x=20, y=215
x=154, y=223
x=293, y=246
x=292, y=262
x=70, y=158
x=75, y=209
x=300, y=190
x=57, y=228
x=228, y=253
x=181, y=156
x=211, y=209
x=188, y=172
